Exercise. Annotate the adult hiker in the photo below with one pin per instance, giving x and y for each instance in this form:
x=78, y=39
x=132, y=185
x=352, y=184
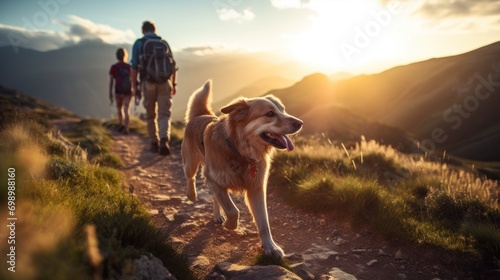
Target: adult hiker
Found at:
x=152, y=58
x=120, y=77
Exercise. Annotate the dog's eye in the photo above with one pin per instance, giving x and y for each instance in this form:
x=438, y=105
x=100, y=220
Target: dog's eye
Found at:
x=270, y=114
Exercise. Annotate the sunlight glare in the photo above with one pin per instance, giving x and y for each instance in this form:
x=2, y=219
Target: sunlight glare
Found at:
x=335, y=23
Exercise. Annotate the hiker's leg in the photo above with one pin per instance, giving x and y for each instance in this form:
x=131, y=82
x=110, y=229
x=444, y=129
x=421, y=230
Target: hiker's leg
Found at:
x=119, y=107
x=164, y=110
x=149, y=93
x=126, y=110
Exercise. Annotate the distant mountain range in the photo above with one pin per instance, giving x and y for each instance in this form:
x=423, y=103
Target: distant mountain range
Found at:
x=449, y=103
x=77, y=77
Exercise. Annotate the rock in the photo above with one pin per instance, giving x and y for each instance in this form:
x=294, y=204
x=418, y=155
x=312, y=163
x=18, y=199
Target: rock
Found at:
x=153, y=211
x=338, y=241
x=399, y=255
x=402, y=276
x=148, y=268
x=372, y=262
x=321, y=256
x=199, y=262
x=317, y=253
x=338, y=274
x=181, y=217
x=301, y=271
x=177, y=241
x=161, y=197
x=221, y=238
x=233, y=271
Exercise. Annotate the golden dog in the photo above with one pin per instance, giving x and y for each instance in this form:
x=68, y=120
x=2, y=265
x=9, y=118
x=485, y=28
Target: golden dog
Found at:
x=236, y=150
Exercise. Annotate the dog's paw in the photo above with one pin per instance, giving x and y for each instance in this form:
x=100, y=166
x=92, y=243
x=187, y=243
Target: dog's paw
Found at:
x=274, y=251
x=231, y=224
x=219, y=219
x=191, y=195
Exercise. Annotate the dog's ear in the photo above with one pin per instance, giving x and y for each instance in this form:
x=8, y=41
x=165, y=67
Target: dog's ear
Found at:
x=235, y=106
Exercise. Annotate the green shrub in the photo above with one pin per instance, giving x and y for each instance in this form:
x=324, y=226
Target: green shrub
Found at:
x=487, y=239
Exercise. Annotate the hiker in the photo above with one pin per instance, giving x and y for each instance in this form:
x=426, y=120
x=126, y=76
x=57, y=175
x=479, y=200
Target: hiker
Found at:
x=120, y=77
x=152, y=59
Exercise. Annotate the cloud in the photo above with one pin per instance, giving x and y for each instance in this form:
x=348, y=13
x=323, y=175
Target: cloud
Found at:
x=460, y=15
x=287, y=4
x=207, y=50
x=227, y=14
x=76, y=30
x=201, y=50
x=40, y=40
x=84, y=29
x=460, y=8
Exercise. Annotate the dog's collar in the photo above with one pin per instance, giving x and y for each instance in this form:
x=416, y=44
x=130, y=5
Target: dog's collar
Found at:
x=252, y=164
x=230, y=145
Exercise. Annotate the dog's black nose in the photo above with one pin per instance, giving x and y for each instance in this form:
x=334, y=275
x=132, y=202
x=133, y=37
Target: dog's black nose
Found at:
x=298, y=124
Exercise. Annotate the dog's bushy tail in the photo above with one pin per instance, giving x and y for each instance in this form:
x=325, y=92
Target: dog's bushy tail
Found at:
x=200, y=102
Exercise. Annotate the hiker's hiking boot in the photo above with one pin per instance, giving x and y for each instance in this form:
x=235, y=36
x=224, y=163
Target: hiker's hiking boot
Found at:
x=154, y=147
x=164, y=147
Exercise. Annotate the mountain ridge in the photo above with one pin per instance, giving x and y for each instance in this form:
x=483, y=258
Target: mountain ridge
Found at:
x=435, y=100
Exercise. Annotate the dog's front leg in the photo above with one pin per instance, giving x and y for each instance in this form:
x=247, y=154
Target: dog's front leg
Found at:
x=218, y=218
x=256, y=199
x=223, y=199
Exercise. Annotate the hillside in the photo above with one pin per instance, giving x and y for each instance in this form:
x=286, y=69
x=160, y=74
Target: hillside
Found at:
x=434, y=100
x=15, y=104
x=308, y=101
x=438, y=94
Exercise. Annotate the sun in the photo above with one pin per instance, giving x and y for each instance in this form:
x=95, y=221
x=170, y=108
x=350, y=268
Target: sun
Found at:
x=328, y=42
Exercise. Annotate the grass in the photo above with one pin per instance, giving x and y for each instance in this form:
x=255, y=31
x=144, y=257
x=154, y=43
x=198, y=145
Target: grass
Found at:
x=95, y=140
x=399, y=195
x=62, y=190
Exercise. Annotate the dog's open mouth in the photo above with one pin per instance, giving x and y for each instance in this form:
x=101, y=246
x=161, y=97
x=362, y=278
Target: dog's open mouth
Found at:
x=278, y=141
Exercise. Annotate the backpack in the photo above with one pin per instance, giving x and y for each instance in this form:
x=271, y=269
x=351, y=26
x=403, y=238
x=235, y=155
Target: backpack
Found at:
x=156, y=62
x=123, y=84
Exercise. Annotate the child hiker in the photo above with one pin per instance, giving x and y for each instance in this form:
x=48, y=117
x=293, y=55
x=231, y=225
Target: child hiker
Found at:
x=120, y=77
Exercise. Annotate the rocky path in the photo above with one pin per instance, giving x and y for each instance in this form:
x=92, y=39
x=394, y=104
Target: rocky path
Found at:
x=320, y=247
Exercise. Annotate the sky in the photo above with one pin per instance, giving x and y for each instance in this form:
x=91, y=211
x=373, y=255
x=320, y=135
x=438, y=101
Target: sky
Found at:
x=356, y=36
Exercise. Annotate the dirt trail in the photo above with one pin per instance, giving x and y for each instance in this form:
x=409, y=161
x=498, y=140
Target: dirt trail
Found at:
x=320, y=244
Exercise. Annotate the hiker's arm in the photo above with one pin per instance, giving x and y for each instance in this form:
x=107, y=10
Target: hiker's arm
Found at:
x=133, y=79
x=134, y=66
x=174, y=83
x=111, y=89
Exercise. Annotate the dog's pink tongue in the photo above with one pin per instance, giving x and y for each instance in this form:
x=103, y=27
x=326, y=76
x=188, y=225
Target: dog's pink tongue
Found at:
x=286, y=142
